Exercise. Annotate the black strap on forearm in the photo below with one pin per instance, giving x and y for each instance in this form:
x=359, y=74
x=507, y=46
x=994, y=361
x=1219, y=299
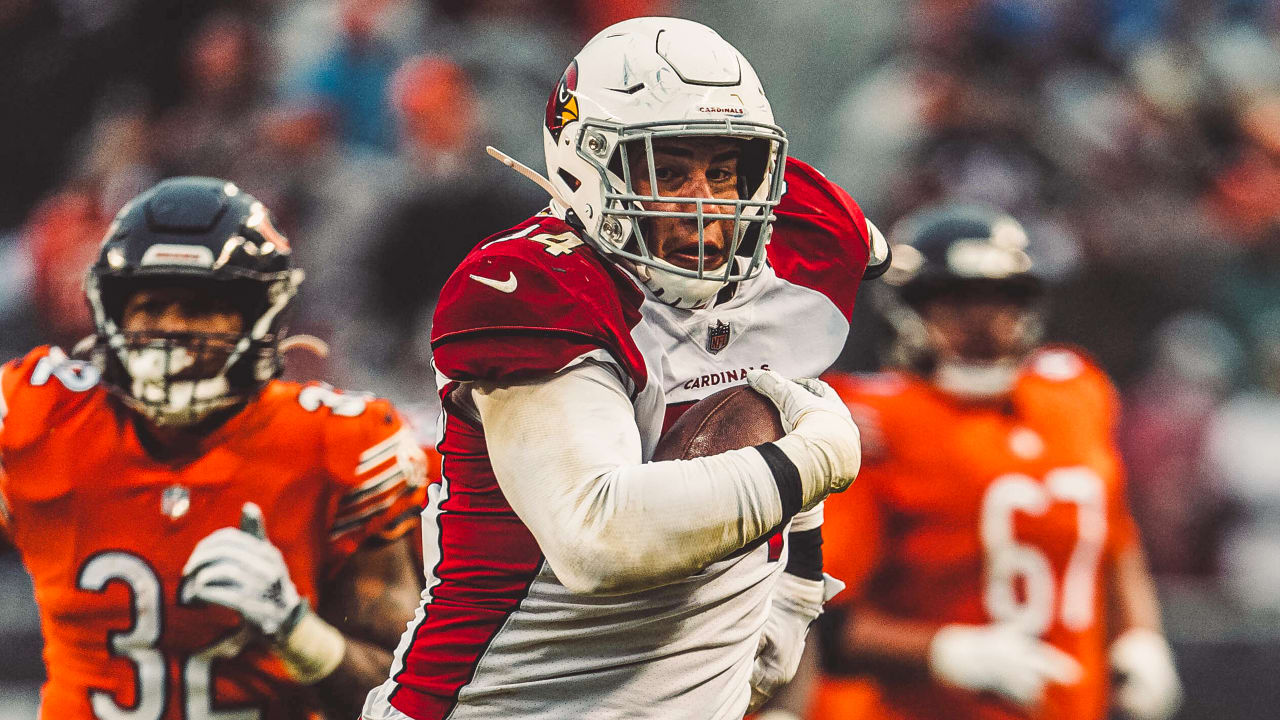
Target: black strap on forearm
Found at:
x=786, y=476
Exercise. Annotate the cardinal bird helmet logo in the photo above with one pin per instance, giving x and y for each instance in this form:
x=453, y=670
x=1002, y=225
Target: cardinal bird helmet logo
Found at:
x=562, y=106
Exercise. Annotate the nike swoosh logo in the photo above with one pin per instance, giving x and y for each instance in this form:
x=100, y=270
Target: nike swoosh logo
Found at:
x=506, y=286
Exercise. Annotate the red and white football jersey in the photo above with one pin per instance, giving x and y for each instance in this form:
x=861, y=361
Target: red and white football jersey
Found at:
x=983, y=513
x=498, y=635
x=105, y=528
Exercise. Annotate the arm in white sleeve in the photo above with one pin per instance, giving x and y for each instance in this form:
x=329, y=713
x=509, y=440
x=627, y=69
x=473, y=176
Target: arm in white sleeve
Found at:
x=807, y=520
x=566, y=453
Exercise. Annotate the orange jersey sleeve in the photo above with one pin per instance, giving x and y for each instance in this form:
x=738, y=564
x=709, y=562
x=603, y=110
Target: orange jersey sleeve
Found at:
x=1094, y=407
x=853, y=524
x=5, y=542
x=9, y=373
x=377, y=466
x=33, y=397
x=855, y=532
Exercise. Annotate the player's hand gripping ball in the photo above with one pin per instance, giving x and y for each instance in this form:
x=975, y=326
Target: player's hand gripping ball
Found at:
x=239, y=569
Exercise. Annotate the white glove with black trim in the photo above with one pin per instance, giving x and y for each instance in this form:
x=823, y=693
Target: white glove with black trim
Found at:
x=1148, y=688
x=1000, y=659
x=821, y=440
x=239, y=569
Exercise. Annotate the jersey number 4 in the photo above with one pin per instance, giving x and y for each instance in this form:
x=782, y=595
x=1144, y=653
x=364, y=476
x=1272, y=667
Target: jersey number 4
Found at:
x=138, y=646
x=1010, y=563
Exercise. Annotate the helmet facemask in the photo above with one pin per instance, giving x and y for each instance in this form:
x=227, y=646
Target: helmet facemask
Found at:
x=179, y=379
x=982, y=375
x=612, y=150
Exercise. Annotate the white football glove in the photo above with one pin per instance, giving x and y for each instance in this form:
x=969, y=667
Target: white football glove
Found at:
x=821, y=439
x=238, y=568
x=796, y=603
x=1000, y=659
x=1148, y=688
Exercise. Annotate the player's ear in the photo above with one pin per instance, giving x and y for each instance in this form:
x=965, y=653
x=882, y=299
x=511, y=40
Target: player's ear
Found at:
x=251, y=521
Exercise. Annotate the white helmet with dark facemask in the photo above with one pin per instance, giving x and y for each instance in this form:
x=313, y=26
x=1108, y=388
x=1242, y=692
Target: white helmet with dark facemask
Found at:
x=207, y=235
x=959, y=251
x=643, y=80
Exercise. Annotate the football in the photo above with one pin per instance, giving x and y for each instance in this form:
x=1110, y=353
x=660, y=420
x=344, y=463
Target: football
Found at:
x=732, y=418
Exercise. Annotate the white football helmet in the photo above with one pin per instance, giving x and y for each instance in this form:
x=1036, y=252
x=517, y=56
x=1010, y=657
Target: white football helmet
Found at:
x=658, y=77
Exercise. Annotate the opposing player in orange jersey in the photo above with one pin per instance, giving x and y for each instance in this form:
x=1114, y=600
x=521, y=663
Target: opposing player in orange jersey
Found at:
x=993, y=568
x=207, y=542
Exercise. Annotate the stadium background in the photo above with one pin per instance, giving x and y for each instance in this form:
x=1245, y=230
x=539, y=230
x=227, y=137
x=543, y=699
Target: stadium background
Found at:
x=1138, y=140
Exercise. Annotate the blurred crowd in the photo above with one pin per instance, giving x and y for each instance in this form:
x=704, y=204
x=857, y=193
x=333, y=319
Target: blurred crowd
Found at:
x=1138, y=140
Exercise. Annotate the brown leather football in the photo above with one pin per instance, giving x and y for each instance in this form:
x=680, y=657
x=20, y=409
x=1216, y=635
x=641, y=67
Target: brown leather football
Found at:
x=732, y=418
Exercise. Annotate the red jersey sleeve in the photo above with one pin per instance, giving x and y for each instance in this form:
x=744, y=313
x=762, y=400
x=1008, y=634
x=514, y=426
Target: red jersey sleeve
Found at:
x=820, y=239
x=378, y=468
x=527, y=303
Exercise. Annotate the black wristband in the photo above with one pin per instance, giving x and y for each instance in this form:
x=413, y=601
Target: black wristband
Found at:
x=786, y=475
x=804, y=554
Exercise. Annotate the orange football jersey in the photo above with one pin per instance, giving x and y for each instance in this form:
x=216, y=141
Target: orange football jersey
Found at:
x=983, y=513
x=105, y=528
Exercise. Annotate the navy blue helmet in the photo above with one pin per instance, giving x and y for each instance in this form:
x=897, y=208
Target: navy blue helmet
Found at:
x=208, y=235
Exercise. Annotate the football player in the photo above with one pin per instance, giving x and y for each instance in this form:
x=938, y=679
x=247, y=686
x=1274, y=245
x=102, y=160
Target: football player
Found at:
x=994, y=570
x=682, y=253
x=206, y=541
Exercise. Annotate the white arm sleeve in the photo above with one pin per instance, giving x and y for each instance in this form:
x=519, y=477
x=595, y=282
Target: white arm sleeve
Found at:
x=806, y=520
x=566, y=453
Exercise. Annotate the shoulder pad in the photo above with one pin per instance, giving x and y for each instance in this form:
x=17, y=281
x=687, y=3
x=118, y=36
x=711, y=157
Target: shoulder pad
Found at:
x=1058, y=364
x=38, y=389
x=527, y=302
x=378, y=470
x=820, y=239
x=1072, y=372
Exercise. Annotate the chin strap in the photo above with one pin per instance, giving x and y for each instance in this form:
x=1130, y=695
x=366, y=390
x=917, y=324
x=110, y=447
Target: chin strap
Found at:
x=677, y=290
x=526, y=171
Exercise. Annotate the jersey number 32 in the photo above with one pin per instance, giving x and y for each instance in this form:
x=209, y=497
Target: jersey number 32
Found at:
x=139, y=643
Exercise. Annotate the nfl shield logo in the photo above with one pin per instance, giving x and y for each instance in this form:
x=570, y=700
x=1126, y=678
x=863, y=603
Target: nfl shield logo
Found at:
x=175, y=501
x=717, y=337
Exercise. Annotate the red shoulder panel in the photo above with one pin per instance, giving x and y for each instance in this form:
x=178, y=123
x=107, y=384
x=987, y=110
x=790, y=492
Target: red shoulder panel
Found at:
x=820, y=237
x=527, y=301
